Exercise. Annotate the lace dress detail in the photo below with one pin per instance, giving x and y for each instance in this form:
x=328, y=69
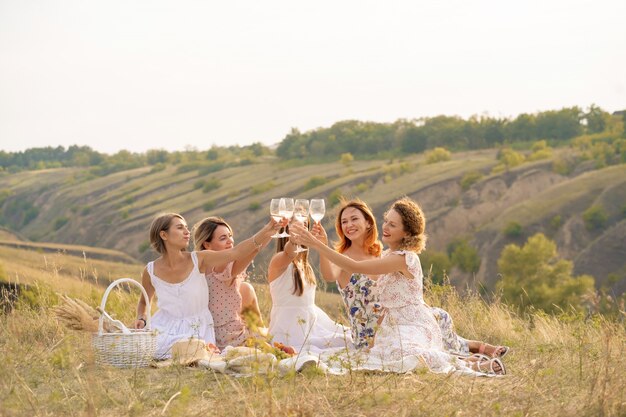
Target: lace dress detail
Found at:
x=408, y=336
x=225, y=306
x=183, y=309
x=298, y=322
x=360, y=296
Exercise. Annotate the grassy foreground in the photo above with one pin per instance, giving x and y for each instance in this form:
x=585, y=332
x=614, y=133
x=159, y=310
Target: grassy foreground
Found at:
x=562, y=366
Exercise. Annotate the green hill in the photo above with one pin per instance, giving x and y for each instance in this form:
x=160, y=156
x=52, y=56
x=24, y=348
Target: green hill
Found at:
x=69, y=206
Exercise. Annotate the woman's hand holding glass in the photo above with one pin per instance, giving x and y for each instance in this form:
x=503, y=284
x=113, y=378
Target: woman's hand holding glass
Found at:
x=319, y=233
x=302, y=236
x=281, y=209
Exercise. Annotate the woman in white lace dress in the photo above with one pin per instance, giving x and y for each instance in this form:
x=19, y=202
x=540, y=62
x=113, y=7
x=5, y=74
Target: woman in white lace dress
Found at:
x=180, y=286
x=408, y=336
x=295, y=320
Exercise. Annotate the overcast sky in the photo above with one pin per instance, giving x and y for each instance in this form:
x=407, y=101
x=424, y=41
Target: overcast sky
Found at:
x=150, y=74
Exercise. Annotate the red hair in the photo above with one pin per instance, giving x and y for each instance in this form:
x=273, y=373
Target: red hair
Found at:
x=371, y=243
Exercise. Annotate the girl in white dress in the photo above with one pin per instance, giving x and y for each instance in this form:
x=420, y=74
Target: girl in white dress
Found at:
x=295, y=320
x=408, y=336
x=180, y=286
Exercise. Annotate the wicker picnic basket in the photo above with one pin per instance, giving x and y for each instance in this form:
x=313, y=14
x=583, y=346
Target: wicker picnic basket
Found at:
x=130, y=349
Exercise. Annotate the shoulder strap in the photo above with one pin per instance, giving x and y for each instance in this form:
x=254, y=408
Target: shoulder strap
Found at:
x=194, y=259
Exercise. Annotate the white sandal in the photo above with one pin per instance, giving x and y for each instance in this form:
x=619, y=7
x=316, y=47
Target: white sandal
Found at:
x=481, y=359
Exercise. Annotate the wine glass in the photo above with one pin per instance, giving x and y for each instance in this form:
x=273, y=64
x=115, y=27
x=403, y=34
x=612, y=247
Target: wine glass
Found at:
x=286, y=211
x=301, y=214
x=275, y=213
x=317, y=209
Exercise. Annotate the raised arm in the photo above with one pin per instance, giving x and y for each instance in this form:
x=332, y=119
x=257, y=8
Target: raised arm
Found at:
x=281, y=261
x=330, y=272
x=386, y=265
x=241, y=264
x=210, y=258
x=140, y=323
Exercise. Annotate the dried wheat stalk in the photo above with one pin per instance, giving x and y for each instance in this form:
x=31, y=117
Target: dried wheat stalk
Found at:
x=78, y=315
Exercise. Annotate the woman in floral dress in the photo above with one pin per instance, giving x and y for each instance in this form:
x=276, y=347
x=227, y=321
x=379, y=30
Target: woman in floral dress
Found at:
x=358, y=239
x=408, y=336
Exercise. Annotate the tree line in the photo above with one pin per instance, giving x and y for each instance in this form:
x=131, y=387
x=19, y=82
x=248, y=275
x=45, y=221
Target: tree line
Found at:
x=361, y=139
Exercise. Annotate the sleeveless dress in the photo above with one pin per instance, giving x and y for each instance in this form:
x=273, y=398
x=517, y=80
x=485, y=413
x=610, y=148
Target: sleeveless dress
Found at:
x=296, y=320
x=361, y=298
x=225, y=306
x=183, y=309
x=408, y=336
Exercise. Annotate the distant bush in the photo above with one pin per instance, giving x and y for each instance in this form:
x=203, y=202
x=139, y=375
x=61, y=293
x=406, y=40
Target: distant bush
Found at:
x=315, y=181
x=438, y=155
x=555, y=222
x=624, y=210
x=144, y=246
x=59, y=222
x=437, y=264
x=364, y=186
x=214, y=167
x=510, y=158
x=157, y=168
x=334, y=197
x=125, y=214
x=595, y=218
x=513, y=229
x=563, y=166
x=30, y=215
x=533, y=275
x=209, y=205
x=470, y=179
x=541, y=150
x=211, y=184
x=198, y=184
x=397, y=170
x=346, y=158
x=464, y=256
x=254, y=206
x=85, y=210
x=189, y=166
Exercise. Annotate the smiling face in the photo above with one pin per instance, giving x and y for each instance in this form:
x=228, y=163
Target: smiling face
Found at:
x=221, y=239
x=393, y=229
x=354, y=226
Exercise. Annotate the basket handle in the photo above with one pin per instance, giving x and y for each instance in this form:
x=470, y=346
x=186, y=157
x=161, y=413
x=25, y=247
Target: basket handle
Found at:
x=106, y=295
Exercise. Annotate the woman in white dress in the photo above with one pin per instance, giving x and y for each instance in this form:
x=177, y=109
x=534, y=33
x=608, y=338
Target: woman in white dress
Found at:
x=295, y=320
x=408, y=336
x=180, y=286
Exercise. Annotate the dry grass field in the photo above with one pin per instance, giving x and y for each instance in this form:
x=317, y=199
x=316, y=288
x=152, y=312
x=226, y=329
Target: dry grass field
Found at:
x=569, y=365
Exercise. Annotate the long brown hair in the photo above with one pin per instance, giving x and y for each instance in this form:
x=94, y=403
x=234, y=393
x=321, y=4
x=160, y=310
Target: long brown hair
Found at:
x=371, y=242
x=161, y=223
x=204, y=229
x=298, y=283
